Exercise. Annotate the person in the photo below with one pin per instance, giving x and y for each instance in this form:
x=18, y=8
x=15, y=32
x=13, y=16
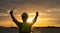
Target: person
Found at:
x=23, y=27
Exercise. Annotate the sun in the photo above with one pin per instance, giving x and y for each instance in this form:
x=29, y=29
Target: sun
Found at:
x=29, y=20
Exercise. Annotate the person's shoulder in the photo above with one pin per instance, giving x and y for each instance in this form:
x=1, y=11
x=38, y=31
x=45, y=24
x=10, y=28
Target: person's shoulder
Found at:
x=20, y=22
x=29, y=23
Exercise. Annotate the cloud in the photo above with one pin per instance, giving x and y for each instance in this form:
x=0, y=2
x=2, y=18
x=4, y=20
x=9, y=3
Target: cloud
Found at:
x=44, y=4
x=1, y=14
x=53, y=11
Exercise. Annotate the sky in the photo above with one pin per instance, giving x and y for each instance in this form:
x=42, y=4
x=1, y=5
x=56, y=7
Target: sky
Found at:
x=49, y=11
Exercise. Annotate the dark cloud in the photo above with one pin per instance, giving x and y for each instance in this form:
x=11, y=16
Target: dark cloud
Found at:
x=3, y=11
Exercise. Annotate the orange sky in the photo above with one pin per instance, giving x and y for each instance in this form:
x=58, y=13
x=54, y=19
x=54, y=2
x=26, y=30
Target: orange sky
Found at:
x=41, y=20
x=49, y=11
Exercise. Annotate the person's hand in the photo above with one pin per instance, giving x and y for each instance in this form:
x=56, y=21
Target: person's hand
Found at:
x=11, y=12
x=37, y=13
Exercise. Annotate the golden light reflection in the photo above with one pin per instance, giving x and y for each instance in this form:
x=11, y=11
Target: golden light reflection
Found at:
x=29, y=20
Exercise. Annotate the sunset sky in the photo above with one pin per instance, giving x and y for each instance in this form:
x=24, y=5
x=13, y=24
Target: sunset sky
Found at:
x=49, y=11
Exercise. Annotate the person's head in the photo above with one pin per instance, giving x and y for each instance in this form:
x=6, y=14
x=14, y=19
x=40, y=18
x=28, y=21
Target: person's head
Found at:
x=24, y=17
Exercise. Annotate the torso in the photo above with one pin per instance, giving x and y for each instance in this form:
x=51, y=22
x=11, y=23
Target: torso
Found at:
x=26, y=27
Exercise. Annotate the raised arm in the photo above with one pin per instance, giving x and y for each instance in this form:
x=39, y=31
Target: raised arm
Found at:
x=13, y=18
x=34, y=20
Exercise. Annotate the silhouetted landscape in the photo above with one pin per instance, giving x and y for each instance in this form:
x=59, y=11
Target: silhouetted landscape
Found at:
x=8, y=30
x=49, y=29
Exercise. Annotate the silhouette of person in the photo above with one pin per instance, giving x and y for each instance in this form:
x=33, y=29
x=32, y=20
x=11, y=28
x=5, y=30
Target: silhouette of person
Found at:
x=24, y=27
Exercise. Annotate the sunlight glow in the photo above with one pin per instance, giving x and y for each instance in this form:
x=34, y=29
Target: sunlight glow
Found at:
x=29, y=20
